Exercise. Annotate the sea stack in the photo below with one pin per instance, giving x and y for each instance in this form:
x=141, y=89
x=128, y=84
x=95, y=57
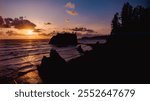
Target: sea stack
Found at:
x=64, y=39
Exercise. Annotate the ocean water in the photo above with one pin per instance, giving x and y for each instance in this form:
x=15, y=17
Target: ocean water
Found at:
x=19, y=58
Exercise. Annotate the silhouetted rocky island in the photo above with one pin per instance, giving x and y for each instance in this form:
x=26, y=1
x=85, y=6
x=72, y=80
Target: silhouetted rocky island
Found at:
x=64, y=39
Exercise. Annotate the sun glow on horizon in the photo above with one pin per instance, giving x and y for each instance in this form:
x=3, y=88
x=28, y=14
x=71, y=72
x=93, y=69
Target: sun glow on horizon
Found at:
x=29, y=32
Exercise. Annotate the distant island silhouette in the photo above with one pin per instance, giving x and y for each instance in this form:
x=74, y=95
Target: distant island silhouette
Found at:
x=123, y=59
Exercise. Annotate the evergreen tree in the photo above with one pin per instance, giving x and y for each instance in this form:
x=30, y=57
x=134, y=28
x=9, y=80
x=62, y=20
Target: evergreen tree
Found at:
x=131, y=20
x=115, y=23
x=126, y=14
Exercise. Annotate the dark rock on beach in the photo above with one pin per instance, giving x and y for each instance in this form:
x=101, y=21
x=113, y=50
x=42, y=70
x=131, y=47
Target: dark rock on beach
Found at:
x=51, y=68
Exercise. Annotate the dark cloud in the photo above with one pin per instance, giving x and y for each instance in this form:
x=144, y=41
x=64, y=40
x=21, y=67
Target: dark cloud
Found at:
x=12, y=33
x=48, y=34
x=67, y=20
x=18, y=23
x=45, y=34
x=82, y=29
x=48, y=23
x=38, y=30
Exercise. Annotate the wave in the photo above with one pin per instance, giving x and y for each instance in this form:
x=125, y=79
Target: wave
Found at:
x=18, y=57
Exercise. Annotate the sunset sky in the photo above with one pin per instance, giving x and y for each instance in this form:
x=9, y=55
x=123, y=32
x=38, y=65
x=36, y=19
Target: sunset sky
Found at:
x=61, y=15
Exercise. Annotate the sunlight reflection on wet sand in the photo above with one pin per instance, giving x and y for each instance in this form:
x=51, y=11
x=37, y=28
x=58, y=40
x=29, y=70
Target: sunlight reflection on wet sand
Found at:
x=29, y=78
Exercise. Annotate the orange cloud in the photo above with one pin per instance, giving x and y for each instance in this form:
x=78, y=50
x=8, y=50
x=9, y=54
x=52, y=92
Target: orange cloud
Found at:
x=72, y=12
x=70, y=5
